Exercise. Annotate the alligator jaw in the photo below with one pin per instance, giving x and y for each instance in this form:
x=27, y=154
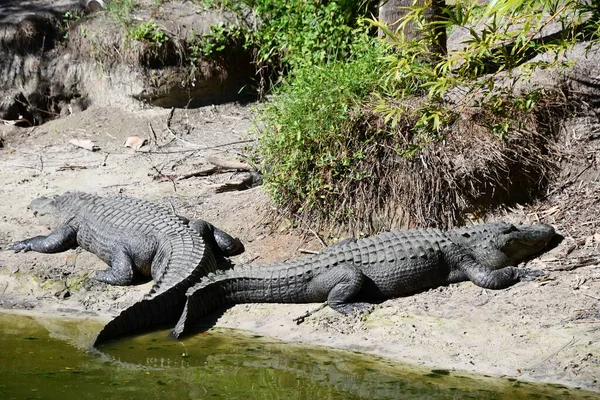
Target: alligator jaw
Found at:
x=526, y=241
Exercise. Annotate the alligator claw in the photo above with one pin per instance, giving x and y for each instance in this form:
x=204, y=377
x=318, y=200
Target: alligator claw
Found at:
x=528, y=275
x=354, y=308
x=21, y=245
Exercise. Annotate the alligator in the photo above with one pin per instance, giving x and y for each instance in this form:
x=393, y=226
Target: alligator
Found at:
x=392, y=264
x=139, y=240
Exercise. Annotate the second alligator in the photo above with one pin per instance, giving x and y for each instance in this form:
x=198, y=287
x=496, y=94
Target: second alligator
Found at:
x=392, y=264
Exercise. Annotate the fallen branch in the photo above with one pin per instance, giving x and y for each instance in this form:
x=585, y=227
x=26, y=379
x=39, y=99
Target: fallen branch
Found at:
x=198, y=147
x=229, y=163
x=221, y=165
x=300, y=319
x=580, y=263
x=175, y=137
x=153, y=133
x=71, y=167
x=249, y=182
x=589, y=295
x=313, y=232
x=203, y=172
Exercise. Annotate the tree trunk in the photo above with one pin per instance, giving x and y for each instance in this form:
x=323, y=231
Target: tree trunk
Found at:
x=393, y=12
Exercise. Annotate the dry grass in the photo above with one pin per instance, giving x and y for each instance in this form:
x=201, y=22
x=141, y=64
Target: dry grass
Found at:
x=467, y=176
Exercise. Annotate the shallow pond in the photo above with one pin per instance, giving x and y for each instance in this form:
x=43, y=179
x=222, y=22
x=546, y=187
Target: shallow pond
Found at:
x=44, y=358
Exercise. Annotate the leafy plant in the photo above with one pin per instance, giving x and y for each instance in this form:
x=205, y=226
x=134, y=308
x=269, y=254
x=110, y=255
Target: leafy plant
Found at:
x=324, y=134
x=500, y=38
x=289, y=34
x=220, y=38
x=68, y=18
x=308, y=133
x=149, y=32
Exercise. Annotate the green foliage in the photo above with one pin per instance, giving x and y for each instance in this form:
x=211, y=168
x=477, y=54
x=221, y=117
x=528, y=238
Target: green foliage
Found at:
x=220, y=38
x=500, y=38
x=502, y=111
x=148, y=32
x=308, y=134
x=345, y=96
x=300, y=32
x=68, y=18
x=291, y=33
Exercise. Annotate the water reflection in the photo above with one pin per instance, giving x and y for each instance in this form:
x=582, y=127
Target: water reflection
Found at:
x=51, y=359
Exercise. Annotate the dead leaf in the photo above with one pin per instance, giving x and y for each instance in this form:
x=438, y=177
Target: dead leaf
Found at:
x=85, y=144
x=135, y=142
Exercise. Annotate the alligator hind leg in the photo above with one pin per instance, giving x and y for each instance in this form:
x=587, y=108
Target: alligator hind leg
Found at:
x=120, y=271
x=344, y=281
x=62, y=239
x=221, y=242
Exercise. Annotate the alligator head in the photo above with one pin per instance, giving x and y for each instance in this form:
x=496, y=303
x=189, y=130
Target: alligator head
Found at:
x=499, y=244
x=45, y=210
x=521, y=242
x=55, y=210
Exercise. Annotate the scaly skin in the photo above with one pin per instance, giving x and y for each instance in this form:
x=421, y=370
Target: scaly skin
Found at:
x=388, y=265
x=135, y=238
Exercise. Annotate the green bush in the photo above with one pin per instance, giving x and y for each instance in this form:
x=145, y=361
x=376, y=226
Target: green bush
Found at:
x=320, y=132
x=300, y=32
x=309, y=140
x=290, y=34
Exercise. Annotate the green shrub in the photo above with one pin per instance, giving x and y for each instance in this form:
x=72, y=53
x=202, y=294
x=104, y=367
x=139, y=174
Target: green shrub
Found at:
x=148, y=32
x=321, y=131
x=289, y=34
x=309, y=138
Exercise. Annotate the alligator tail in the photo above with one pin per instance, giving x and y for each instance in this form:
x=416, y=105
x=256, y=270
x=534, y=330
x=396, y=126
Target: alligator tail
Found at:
x=147, y=313
x=202, y=299
x=280, y=283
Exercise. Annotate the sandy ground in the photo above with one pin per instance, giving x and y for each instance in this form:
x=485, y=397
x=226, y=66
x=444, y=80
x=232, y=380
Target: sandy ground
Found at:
x=542, y=331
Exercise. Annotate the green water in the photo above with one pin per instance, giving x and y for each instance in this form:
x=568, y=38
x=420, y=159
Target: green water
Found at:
x=51, y=359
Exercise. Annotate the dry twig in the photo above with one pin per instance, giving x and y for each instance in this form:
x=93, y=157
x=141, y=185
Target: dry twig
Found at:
x=306, y=251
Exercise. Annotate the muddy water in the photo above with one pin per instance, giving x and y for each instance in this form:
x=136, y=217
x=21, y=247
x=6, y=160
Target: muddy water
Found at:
x=42, y=358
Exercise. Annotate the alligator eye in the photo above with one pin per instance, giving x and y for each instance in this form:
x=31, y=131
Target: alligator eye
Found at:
x=511, y=228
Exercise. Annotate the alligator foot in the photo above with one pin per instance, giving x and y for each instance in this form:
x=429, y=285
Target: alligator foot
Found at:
x=528, y=275
x=352, y=308
x=112, y=278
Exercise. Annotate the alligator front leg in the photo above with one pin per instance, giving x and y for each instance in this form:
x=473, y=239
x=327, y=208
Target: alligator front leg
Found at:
x=344, y=283
x=491, y=279
x=62, y=239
